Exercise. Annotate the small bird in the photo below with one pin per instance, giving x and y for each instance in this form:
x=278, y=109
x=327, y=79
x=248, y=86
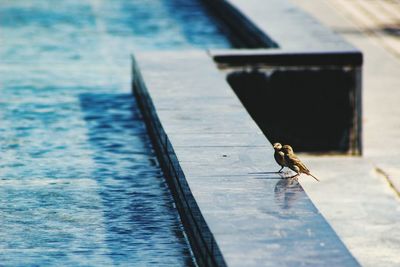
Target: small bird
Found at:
x=279, y=156
x=294, y=163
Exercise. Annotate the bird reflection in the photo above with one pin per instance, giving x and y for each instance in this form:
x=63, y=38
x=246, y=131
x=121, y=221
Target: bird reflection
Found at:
x=287, y=192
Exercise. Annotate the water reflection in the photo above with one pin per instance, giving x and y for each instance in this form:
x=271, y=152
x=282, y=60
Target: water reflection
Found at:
x=287, y=192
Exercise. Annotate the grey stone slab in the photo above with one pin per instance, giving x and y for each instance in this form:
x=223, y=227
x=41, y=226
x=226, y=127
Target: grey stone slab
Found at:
x=218, y=140
x=214, y=161
x=202, y=122
x=192, y=101
x=237, y=211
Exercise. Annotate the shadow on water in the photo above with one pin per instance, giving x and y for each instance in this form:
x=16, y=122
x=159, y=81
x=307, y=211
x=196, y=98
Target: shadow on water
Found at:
x=141, y=221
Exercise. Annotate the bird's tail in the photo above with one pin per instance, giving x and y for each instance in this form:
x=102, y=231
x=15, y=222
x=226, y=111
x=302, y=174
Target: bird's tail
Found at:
x=313, y=177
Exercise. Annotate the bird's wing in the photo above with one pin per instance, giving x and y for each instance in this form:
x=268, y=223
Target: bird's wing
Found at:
x=296, y=161
x=280, y=158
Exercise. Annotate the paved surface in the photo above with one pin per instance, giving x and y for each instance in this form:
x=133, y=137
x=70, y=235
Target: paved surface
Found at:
x=289, y=32
x=378, y=19
x=359, y=196
x=257, y=218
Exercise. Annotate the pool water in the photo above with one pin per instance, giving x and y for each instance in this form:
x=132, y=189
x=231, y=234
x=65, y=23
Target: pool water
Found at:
x=80, y=184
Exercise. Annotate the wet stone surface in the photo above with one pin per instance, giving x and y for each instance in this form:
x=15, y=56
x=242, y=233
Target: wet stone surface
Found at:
x=248, y=214
x=79, y=181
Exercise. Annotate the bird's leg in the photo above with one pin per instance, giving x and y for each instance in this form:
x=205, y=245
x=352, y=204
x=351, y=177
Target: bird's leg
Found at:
x=291, y=177
x=281, y=168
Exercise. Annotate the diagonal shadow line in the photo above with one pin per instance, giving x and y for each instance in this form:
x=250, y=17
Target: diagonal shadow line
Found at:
x=264, y=172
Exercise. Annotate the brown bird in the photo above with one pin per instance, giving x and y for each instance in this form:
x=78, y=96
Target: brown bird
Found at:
x=279, y=156
x=294, y=163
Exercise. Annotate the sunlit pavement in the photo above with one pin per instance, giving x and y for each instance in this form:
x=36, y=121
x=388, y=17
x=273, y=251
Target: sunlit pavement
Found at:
x=360, y=196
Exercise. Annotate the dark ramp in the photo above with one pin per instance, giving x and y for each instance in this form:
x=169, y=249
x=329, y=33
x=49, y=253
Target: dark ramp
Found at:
x=311, y=110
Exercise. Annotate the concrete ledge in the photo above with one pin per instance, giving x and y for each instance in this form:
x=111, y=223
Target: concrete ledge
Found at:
x=269, y=58
x=286, y=35
x=292, y=43
x=217, y=164
x=244, y=32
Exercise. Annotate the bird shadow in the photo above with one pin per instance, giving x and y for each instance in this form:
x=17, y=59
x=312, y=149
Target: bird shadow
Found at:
x=270, y=175
x=269, y=178
x=264, y=172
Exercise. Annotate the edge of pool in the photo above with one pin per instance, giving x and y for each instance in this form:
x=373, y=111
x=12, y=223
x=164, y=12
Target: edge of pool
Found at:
x=202, y=241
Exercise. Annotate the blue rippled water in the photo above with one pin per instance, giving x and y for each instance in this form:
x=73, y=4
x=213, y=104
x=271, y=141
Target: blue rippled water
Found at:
x=79, y=182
